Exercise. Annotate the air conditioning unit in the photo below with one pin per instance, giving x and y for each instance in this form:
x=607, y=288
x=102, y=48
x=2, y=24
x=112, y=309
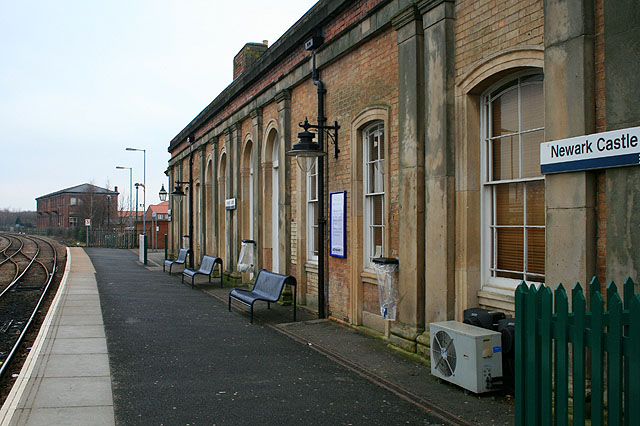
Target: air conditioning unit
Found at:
x=465, y=355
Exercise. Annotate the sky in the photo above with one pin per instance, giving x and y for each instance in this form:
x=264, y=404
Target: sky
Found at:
x=81, y=80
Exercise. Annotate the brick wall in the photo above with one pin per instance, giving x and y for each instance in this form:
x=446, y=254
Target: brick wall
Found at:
x=601, y=126
x=363, y=78
x=486, y=27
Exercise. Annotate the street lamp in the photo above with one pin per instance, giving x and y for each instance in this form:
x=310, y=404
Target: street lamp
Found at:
x=130, y=189
x=306, y=151
x=144, y=187
x=163, y=193
x=178, y=192
x=108, y=211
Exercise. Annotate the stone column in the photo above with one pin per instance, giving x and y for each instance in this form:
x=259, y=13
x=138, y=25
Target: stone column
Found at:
x=228, y=214
x=569, y=111
x=203, y=202
x=256, y=217
x=283, y=99
x=622, y=91
x=214, y=195
x=438, y=25
x=408, y=26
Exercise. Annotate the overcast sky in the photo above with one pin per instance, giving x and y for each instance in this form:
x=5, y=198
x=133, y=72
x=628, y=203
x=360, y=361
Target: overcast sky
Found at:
x=81, y=80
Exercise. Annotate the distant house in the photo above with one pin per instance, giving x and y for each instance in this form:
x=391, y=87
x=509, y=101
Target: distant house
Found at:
x=70, y=207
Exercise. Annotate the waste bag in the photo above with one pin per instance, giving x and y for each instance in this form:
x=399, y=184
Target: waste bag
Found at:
x=386, y=271
x=247, y=256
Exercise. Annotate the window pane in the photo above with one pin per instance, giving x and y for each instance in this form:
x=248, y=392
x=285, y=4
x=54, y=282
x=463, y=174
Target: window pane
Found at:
x=377, y=238
x=532, y=106
x=380, y=142
x=510, y=249
x=505, y=113
x=535, y=251
x=313, y=188
x=535, y=203
x=531, y=153
x=509, y=206
x=506, y=158
x=379, y=177
x=373, y=146
x=376, y=210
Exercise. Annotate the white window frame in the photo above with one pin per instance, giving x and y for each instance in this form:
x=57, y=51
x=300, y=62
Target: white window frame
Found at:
x=312, y=220
x=488, y=236
x=369, y=250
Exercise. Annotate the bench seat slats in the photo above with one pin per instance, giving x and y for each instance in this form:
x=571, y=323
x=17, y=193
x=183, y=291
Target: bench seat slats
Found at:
x=267, y=287
x=182, y=258
x=206, y=268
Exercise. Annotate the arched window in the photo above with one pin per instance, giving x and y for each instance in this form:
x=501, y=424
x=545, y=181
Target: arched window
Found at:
x=373, y=190
x=513, y=206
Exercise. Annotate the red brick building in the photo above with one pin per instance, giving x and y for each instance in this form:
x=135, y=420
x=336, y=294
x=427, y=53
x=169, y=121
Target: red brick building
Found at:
x=443, y=108
x=70, y=207
x=157, y=215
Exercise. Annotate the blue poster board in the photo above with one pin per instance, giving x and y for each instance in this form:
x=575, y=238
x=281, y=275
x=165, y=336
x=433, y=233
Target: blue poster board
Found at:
x=338, y=224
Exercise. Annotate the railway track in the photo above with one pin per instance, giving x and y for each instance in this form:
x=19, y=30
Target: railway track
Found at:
x=28, y=265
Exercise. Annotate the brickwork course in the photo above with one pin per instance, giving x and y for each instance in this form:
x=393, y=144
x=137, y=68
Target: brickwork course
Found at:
x=434, y=187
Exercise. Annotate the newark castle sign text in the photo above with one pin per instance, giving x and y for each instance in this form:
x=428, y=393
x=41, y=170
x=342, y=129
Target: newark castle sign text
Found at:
x=599, y=150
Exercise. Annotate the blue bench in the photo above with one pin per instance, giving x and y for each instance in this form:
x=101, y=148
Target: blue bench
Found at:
x=206, y=268
x=268, y=287
x=182, y=258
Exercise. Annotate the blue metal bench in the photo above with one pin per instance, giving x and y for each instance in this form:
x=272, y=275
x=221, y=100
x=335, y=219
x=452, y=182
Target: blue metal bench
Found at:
x=268, y=287
x=206, y=268
x=182, y=258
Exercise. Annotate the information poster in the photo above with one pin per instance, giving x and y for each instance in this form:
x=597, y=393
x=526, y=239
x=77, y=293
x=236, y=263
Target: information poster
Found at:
x=338, y=224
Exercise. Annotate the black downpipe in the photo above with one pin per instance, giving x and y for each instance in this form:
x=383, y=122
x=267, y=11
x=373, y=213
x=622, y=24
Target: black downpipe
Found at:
x=321, y=168
x=191, y=253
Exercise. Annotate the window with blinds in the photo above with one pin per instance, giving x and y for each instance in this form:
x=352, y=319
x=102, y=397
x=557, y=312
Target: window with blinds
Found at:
x=374, y=191
x=514, y=210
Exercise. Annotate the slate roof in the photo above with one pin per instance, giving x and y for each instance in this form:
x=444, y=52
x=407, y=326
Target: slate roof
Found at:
x=81, y=189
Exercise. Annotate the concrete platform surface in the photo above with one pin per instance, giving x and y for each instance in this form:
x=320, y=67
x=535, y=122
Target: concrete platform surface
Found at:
x=128, y=344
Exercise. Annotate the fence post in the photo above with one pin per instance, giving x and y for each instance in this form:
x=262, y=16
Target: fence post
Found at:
x=579, y=304
x=597, y=353
x=634, y=353
x=629, y=288
x=545, y=299
x=562, y=357
x=614, y=356
x=520, y=331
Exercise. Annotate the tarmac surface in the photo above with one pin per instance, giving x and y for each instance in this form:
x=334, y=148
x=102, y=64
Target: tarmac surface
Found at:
x=176, y=356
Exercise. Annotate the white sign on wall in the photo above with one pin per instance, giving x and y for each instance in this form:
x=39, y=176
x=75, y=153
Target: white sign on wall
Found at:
x=597, y=151
x=230, y=204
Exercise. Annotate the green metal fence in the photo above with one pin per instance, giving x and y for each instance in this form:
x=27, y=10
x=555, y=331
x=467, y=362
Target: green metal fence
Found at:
x=580, y=367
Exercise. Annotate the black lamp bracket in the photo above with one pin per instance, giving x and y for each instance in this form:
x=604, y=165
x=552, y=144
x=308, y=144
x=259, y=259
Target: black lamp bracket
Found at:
x=334, y=136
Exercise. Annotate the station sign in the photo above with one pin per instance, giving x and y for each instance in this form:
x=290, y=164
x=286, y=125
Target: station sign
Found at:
x=596, y=151
x=230, y=204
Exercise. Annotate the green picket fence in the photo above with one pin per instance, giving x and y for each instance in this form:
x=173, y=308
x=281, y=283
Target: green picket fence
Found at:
x=562, y=357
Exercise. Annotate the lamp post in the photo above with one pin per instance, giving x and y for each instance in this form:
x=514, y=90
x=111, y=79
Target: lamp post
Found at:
x=178, y=192
x=307, y=150
x=108, y=211
x=137, y=185
x=144, y=186
x=130, y=189
x=162, y=194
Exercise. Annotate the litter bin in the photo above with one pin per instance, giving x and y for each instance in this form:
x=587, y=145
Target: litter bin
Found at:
x=247, y=256
x=386, y=271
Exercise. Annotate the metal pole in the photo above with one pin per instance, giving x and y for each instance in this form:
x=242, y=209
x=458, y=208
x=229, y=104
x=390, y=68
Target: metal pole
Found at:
x=191, y=209
x=321, y=172
x=144, y=191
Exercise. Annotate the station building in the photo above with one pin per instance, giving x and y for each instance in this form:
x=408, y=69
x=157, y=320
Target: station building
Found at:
x=69, y=207
x=443, y=107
